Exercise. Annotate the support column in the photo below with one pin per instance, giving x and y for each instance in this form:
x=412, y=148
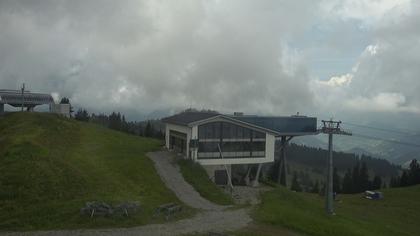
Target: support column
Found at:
x=246, y=179
x=329, y=188
x=282, y=177
x=255, y=183
x=1, y=108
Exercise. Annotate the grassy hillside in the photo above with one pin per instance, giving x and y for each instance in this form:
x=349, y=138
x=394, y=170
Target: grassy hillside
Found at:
x=195, y=174
x=50, y=166
x=397, y=214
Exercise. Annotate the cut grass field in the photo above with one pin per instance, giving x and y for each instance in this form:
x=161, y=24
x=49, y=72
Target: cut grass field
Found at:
x=51, y=166
x=195, y=175
x=397, y=214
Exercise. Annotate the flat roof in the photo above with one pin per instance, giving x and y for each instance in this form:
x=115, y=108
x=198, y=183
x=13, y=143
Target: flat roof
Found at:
x=185, y=118
x=279, y=125
x=282, y=124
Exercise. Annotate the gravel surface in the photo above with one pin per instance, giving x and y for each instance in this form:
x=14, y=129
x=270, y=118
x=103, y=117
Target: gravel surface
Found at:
x=249, y=195
x=214, y=218
x=214, y=221
x=170, y=174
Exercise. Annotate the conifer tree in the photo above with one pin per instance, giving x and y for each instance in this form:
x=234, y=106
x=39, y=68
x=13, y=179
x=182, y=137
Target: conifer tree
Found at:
x=363, y=178
x=315, y=188
x=377, y=182
x=355, y=179
x=404, y=180
x=336, y=181
x=295, y=183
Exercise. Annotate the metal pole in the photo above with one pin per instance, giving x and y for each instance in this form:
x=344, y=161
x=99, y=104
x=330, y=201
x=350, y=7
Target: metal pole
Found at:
x=283, y=166
x=329, y=188
x=23, y=96
x=330, y=127
x=255, y=183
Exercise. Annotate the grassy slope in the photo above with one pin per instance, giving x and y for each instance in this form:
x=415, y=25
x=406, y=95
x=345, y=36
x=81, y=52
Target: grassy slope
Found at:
x=195, y=175
x=397, y=214
x=50, y=166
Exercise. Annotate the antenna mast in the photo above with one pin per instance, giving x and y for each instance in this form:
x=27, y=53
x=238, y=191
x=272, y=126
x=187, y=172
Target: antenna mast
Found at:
x=23, y=96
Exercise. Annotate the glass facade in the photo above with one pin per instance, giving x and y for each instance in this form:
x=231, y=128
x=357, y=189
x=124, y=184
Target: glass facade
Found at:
x=177, y=141
x=234, y=141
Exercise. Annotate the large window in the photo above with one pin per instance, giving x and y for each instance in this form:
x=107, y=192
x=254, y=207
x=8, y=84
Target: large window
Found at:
x=234, y=141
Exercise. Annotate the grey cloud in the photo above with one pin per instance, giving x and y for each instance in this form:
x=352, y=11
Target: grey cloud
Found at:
x=390, y=64
x=147, y=55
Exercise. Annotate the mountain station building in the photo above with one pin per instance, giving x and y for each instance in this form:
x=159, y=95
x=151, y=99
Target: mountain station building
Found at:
x=28, y=100
x=217, y=141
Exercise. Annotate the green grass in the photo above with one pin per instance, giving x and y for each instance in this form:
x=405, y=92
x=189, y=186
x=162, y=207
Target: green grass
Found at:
x=195, y=174
x=397, y=214
x=50, y=166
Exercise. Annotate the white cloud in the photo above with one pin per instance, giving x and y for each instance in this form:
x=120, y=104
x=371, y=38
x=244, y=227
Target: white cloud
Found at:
x=370, y=12
x=382, y=102
x=372, y=49
x=338, y=81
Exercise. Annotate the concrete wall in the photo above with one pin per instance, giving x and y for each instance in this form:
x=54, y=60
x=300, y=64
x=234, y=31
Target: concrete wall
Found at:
x=194, y=135
x=270, y=141
x=179, y=128
x=61, y=109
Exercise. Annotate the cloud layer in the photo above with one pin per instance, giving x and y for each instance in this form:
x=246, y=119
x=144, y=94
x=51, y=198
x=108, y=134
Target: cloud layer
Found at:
x=252, y=56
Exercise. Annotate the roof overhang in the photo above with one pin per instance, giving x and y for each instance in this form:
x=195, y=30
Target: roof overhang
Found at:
x=271, y=126
x=222, y=117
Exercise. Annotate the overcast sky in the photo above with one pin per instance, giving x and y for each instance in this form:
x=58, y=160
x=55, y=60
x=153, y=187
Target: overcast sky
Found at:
x=346, y=58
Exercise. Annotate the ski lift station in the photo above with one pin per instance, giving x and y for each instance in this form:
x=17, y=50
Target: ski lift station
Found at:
x=28, y=101
x=218, y=141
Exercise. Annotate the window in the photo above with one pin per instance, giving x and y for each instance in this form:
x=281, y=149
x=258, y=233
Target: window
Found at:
x=258, y=146
x=256, y=134
x=209, y=131
x=208, y=147
x=234, y=140
x=228, y=130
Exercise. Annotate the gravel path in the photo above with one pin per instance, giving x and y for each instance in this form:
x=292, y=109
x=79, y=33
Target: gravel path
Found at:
x=209, y=221
x=172, y=177
x=214, y=218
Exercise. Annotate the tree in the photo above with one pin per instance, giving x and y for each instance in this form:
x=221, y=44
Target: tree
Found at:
x=347, y=182
x=394, y=182
x=336, y=181
x=377, y=182
x=363, y=178
x=322, y=190
x=82, y=115
x=356, y=179
x=404, y=179
x=315, y=188
x=148, y=131
x=115, y=121
x=414, y=173
x=295, y=183
x=65, y=100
